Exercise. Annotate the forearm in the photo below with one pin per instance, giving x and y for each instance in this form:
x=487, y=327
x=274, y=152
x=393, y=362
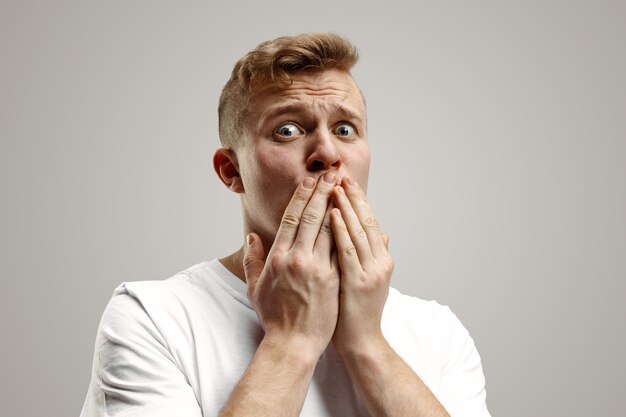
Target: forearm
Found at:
x=388, y=385
x=275, y=383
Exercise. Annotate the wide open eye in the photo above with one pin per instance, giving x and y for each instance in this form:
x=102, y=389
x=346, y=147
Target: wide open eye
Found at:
x=288, y=130
x=344, y=130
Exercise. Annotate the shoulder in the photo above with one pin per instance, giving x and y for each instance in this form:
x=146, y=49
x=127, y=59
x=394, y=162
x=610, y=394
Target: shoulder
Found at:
x=425, y=326
x=417, y=311
x=196, y=279
x=156, y=308
x=184, y=290
x=134, y=368
x=435, y=344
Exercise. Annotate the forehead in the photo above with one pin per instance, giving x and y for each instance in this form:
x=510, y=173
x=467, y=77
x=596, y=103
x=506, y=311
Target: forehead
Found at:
x=328, y=91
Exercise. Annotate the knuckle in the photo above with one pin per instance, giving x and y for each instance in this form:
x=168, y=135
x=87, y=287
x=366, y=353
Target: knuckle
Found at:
x=301, y=196
x=296, y=263
x=309, y=217
x=387, y=268
x=324, y=189
x=275, y=261
x=316, y=275
x=360, y=233
x=326, y=192
x=289, y=220
x=247, y=261
x=326, y=227
x=323, y=193
x=378, y=280
x=359, y=197
x=371, y=222
x=350, y=250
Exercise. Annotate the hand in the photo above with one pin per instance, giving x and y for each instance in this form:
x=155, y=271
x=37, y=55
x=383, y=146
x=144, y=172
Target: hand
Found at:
x=366, y=269
x=295, y=290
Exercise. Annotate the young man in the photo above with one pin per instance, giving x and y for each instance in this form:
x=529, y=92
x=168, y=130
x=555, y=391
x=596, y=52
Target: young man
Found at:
x=300, y=320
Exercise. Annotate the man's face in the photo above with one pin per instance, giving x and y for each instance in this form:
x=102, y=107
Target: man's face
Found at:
x=316, y=124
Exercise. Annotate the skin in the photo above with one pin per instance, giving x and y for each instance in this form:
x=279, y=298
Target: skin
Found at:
x=268, y=163
x=316, y=264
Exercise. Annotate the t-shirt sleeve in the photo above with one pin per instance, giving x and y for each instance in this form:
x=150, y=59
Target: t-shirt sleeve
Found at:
x=134, y=373
x=463, y=381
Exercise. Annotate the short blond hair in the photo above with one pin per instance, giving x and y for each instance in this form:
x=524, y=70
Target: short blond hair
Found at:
x=273, y=62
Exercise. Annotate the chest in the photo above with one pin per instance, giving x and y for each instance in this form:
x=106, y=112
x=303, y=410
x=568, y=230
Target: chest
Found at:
x=220, y=343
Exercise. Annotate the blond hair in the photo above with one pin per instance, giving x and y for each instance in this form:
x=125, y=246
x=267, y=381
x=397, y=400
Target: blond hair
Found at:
x=273, y=62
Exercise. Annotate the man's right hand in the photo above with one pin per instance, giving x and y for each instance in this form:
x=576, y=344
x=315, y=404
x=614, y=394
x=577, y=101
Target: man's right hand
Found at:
x=295, y=291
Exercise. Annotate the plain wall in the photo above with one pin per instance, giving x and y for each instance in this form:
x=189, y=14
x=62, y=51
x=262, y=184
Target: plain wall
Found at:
x=498, y=136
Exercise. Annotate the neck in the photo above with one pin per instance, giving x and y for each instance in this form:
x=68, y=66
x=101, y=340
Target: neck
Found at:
x=234, y=263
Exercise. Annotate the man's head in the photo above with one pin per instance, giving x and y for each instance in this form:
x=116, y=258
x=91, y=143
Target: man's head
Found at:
x=291, y=110
x=274, y=63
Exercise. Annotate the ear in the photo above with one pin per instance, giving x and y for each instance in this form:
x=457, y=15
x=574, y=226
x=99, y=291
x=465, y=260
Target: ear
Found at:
x=227, y=169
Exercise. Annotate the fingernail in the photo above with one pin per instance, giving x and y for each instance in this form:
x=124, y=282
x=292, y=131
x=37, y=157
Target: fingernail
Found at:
x=329, y=178
x=349, y=181
x=249, y=240
x=308, y=183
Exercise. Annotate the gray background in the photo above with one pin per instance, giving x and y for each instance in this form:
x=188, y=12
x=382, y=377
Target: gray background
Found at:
x=498, y=135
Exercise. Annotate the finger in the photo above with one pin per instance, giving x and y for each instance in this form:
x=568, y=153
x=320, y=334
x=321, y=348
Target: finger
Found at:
x=346, y=251
x=253, y=261
x=386, y=240
x=290, y=222
x=357, y=198
x=351, y=220
x=313, y=214
x=325, y=242
x=334, y=260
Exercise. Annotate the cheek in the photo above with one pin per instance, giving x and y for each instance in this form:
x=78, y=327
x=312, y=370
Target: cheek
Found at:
x=274, y=176
x=270, y=162
x=358, y=163
x=261, y=168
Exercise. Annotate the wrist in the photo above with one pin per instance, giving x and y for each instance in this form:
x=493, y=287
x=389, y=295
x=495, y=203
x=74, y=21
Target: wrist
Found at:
x=365, y=349
x=294, y=350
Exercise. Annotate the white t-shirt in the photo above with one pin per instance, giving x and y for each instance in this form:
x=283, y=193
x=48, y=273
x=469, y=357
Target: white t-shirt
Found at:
x=178, y=347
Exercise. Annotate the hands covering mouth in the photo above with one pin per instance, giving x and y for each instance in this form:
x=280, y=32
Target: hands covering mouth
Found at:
x=327, y=275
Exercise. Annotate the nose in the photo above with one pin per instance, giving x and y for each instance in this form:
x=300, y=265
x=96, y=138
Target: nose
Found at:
x=323, y=154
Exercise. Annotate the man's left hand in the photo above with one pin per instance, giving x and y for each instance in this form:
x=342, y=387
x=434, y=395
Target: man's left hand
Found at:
x=366, y=269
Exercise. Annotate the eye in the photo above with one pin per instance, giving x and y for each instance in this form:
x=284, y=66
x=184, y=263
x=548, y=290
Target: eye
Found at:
x=344, y=130
x=288, y=130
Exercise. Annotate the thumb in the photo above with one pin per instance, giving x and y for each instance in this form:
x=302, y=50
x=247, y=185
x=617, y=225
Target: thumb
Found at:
x=253, y=260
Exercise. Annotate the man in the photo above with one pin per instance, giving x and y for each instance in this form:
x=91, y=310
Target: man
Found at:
x=301, y=319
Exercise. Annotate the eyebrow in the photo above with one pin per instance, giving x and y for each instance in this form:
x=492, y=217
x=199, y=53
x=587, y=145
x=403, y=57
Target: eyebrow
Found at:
x=348, y=113
x=300, y=108
x=273, y=111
